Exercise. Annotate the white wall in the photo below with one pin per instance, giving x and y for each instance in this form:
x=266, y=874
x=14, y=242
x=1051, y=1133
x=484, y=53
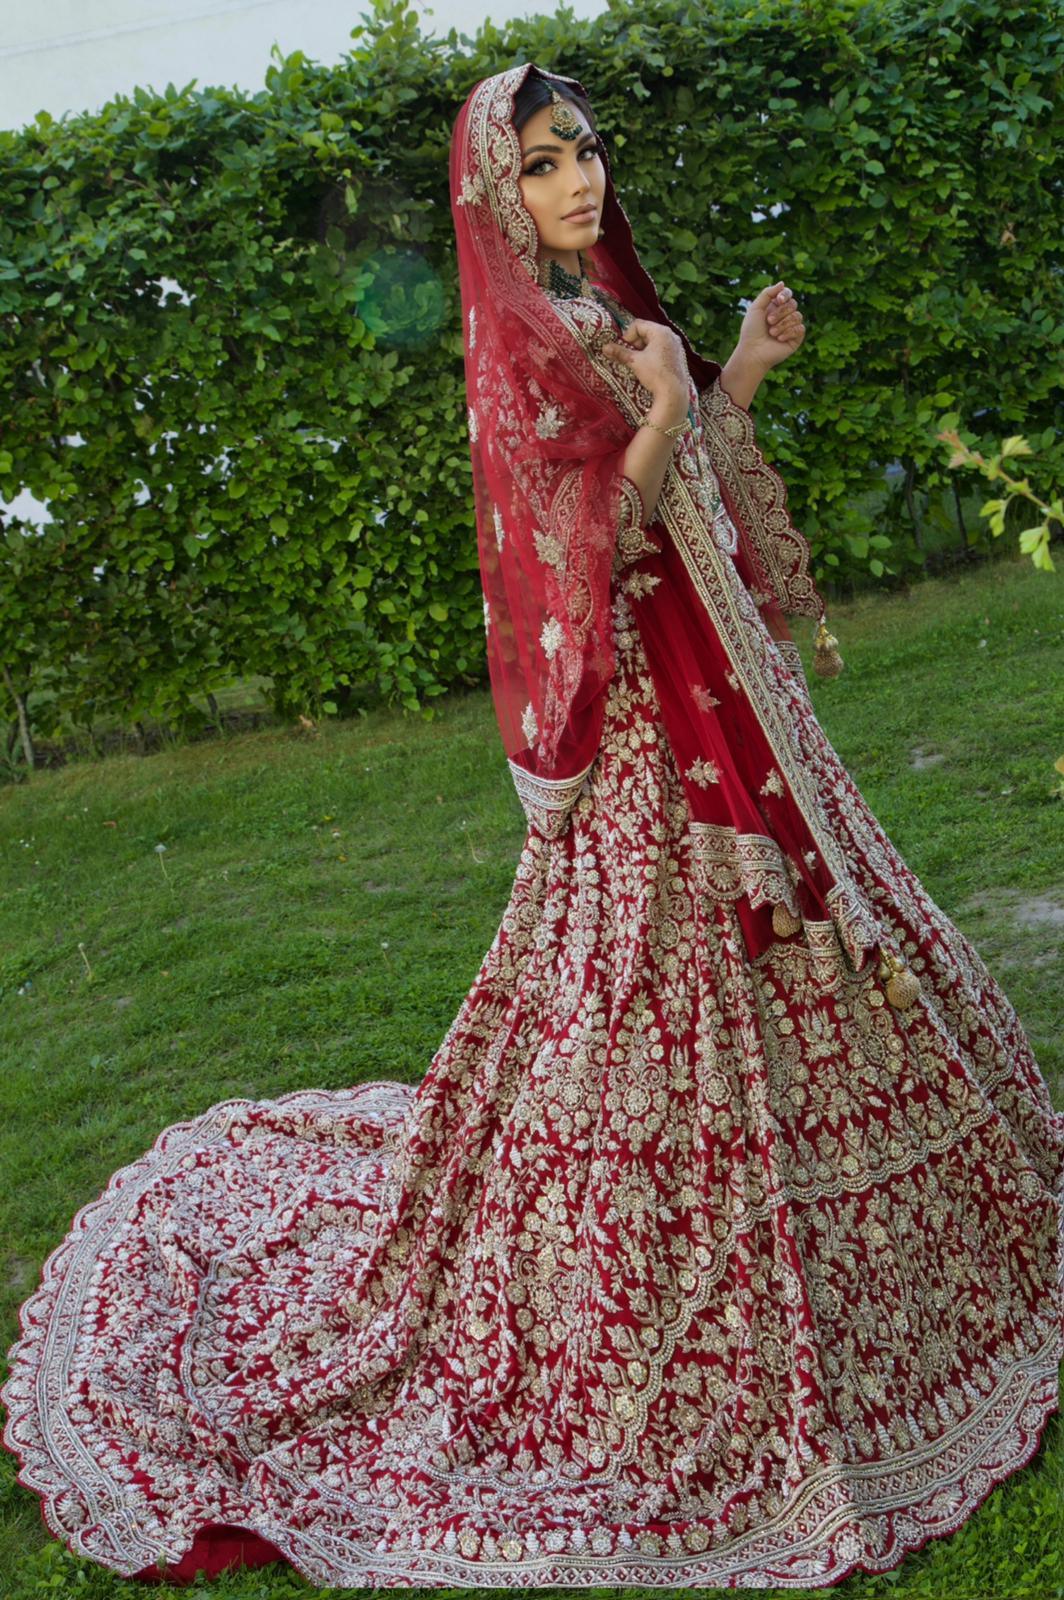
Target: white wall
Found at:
x=62, y=55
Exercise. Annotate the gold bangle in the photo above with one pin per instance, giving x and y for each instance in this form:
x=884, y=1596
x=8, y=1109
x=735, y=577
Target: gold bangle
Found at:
x=670, y=433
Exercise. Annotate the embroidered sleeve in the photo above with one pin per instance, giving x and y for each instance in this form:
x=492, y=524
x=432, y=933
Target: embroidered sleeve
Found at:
x=632, y=541
x=756, y=494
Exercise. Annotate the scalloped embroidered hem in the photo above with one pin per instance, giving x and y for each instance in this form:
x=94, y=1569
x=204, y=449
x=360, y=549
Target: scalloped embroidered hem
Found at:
x=833, y=1519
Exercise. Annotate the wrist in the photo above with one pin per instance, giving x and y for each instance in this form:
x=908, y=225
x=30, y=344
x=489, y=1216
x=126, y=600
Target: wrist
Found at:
x=741, y=376
x=669, y=406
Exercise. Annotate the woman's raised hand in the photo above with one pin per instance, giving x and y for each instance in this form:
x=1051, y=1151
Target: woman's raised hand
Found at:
x=772, y=328
x=655, y=354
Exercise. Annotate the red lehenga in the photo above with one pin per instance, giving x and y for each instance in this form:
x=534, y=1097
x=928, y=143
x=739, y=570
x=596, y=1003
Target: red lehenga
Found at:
x=694, y=1258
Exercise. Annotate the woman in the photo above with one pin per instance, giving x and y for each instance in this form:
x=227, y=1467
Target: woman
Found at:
x=720, y=1244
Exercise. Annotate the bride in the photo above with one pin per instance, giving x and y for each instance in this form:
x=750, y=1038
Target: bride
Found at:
x=721, y=1242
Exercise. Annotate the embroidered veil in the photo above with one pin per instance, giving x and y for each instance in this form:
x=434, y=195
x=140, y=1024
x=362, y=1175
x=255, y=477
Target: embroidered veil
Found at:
x=547, y=442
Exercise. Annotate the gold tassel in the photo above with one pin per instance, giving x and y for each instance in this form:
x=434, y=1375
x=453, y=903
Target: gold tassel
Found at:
x=783, y=920
x=827, y=663
x=903, y=986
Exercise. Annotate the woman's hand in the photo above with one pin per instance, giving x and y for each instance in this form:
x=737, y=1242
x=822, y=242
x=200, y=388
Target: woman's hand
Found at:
x=772, y=328
x=656, y=356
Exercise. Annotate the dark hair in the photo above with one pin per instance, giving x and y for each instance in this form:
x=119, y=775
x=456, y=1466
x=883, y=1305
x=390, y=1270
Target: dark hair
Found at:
x=535, y=92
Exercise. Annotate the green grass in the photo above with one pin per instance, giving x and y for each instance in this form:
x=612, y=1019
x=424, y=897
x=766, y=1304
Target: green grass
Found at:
x=324, y=901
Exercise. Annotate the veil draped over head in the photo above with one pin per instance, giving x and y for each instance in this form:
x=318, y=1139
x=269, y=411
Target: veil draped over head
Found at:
x=547, y=443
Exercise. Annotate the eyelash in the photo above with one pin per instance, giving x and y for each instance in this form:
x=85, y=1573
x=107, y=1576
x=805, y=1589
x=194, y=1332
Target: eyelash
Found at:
x=530, y=172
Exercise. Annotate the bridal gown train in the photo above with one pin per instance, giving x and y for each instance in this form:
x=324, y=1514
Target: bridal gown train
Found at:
x=675, y=1268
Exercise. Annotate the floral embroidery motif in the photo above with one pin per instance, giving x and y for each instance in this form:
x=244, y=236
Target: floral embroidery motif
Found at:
x=499, y=534
x=529, y=726
x=473, y=190
x=639, y=583
x=703, y=772
x=472, y=424
x=472, y=327
x=549, y=549
x=732, y=679
x=552, y=637
x=632, y=540
x=549, y=420
x=810, y=858
x=702, y=697
x=773, y=784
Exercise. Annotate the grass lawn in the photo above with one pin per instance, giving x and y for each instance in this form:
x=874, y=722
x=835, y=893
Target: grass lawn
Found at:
x=324, y=900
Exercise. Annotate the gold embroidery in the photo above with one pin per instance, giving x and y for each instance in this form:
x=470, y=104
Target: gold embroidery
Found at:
x=549, y=549
x=552, y=637
x=632, y=541
x=773, y=784
x=547, y=802
x=549, y=419
x=472, y=191
x=791, y=658
x=704, y=772
x=702, y=697
x=760, y=495
x=731, y=864
x=639, y=583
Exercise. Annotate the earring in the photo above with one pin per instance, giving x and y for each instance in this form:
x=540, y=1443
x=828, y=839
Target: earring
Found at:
x=564, y=123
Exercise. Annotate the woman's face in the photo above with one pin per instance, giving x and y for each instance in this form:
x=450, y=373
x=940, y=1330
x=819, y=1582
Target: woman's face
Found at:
x=557, y=177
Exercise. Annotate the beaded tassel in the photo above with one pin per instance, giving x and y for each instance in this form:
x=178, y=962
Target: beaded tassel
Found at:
x=902, y=984
x=827, y=663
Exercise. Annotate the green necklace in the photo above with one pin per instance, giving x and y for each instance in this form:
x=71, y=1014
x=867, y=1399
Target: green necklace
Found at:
x=577, y=285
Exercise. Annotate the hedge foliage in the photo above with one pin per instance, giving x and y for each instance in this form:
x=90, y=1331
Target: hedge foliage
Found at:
x=231, y=358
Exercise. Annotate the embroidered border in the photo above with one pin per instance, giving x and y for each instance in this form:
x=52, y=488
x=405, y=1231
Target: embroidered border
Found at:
x=632, y=541
x=731, y=864
x=547, y=801
x=748, y=643
x=760, y=496
x=791, y=658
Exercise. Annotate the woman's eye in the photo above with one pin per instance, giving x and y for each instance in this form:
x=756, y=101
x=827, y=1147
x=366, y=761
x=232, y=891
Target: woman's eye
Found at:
x=530, y=172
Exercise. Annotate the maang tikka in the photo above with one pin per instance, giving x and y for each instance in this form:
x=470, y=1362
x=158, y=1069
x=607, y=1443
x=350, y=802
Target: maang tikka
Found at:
x=564, y=123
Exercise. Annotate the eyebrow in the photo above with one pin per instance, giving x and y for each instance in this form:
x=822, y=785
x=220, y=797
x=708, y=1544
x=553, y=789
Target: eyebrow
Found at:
x=585, y=135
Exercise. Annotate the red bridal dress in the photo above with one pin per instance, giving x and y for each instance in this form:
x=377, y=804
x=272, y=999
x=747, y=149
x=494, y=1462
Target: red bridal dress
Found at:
x=691, y=1260
x=720, y=1244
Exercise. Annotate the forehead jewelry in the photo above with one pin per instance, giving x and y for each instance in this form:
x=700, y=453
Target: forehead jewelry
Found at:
x=564, y=124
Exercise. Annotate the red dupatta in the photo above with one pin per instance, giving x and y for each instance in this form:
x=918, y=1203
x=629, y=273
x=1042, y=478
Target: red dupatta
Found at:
x=547, y=441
